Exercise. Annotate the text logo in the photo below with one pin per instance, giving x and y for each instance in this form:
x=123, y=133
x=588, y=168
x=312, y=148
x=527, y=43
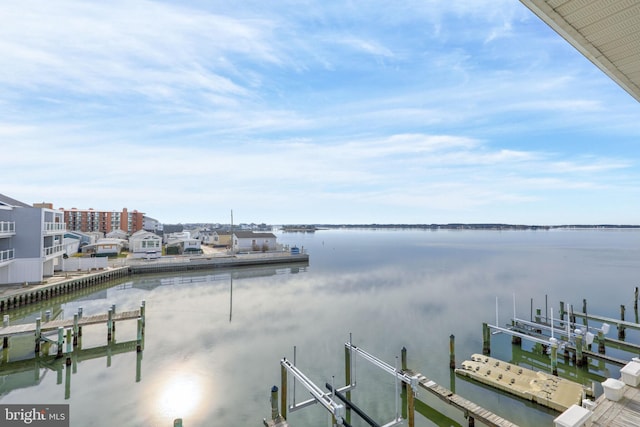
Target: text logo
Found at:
x=34, y=415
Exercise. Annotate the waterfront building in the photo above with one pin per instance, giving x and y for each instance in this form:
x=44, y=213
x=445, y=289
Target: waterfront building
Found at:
x=87, y=220
x=250, y=241
x=145, y=244
x=31, y=241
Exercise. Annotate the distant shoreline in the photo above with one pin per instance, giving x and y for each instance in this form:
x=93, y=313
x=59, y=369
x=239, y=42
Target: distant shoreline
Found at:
x=453, y=226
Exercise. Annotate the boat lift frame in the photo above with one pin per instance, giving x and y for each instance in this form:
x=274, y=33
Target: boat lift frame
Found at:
x=327, y=399
x=411, y=381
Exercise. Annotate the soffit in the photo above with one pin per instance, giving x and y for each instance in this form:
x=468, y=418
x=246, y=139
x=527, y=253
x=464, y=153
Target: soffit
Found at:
x=607, y=32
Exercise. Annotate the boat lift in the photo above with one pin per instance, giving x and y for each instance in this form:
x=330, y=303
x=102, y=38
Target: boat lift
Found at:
x=328, y=399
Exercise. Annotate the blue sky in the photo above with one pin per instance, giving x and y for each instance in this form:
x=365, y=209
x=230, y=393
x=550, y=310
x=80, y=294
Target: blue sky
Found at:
x=312, y=112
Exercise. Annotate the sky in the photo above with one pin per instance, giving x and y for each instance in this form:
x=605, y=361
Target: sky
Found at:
x=295, y=112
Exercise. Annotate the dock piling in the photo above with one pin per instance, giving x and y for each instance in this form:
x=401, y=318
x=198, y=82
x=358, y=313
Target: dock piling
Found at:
x=452, y=351
x=69, y=347
x=38, y=337
x=283, y=391
x=110, y=325
x=621, y=327
x=60, y=342
x=486, y=339
x=76, y=329
x=139, y=336
x=274, y=403
x=5, y=321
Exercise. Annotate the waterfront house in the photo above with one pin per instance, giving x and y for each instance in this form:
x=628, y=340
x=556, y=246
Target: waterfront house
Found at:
x=31, y=241
x=145, y=244
x=109, y=247
x=219, y=239
x=250, y=241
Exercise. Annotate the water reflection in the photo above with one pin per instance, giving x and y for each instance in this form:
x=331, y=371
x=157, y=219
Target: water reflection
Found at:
x=181, y=395
x=390, y=289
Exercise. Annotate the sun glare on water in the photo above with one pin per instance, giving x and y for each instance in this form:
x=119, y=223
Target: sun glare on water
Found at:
x=180, y=396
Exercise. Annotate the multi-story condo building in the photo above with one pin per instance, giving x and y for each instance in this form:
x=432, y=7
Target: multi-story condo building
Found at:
x=31, y=241
x=91, y=220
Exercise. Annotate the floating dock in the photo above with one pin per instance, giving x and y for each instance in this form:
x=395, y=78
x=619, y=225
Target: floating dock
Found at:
x=544, y=389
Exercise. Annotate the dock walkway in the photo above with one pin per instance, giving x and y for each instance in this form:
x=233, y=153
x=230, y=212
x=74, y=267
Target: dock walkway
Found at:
x=622, y=413
x=53, y=325
x=469, y=408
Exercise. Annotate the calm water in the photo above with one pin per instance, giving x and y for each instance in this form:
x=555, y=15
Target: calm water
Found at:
x=214, y=339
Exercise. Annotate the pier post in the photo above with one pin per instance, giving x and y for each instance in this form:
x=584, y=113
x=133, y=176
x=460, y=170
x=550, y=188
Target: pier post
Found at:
x=283, y=391
x=347, y=379
x=5, y=342
x=452, y=351
x=554, y=356
x=47, y=316
x=5, y=320
x=75, y=330
x=177, y=422
x=579, y=357
x=143, y=305
x=635, y=300
x=486, y=339
x=274, y=403
x=113, y=313
x=403, y=358
x=69, y=347
x=38, y=337
x=411, y=407
x=562, y=312
x=515, y=339
x=109, y=326
x=60, y=342
x=139, y=336
x=601, y=349
x=621, y=327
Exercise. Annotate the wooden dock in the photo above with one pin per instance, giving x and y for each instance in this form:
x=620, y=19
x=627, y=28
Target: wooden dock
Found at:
x=470, y=409
x=623, y=413
x=70, y=330
x=54, y=325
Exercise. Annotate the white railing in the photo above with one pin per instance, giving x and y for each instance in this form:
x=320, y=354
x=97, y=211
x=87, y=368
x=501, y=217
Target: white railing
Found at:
x=7, y=255
x=50, y=227
x=53, y=250
x=7, y=227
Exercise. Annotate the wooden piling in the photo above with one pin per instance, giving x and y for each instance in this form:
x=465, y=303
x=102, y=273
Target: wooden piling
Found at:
x=601, y=348
x=283, y=391
x=76, y=329
x=139, y=336
x=554, y=356
x=60, y=342
x=621, y=327
x=452, y=351
x=5, y=321
x=38, y=337
x=486, y=339
x=635, y=299
x=177, y=422
x=274, y=403
x=562, y=312
x=69, y=347
x=580, y=358
x=411, y=407
x=110, y=325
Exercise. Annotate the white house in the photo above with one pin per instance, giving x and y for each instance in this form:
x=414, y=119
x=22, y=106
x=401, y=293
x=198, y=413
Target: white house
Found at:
x=109, y=247
x=144, y=244
x=250, y=241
